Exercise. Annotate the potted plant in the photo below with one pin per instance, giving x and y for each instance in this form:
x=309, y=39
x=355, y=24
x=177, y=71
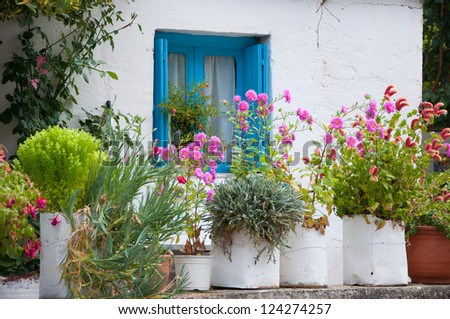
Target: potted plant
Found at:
x=250, y=219
x=196, y=164
x=20, y=202
x=267, y=146
x=377, y=183
x=129, y=208
x=58, y=160
x=189, y=109
x=428, y=233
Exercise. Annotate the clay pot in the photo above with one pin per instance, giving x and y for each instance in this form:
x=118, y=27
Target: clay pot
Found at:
x=164, y=271
x=429, y=256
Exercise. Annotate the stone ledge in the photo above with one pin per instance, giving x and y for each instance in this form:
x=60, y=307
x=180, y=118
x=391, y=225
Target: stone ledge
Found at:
x=332, y=292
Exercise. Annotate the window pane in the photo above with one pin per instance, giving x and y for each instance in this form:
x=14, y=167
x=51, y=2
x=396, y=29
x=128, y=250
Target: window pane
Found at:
x=220, y=73
x=177, y=69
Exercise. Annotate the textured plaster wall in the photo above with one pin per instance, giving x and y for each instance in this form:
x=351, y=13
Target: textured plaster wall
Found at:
x=327, y=57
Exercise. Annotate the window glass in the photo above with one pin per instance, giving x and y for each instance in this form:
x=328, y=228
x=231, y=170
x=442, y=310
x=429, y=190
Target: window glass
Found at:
x=177, y=69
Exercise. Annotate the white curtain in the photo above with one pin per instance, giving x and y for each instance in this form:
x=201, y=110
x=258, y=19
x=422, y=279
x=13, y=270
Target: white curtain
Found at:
x=220, y=73
x=177, y=69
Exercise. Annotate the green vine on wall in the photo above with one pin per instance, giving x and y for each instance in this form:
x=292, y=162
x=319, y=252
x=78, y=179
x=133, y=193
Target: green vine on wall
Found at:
x=436, y=55
x=43, y=73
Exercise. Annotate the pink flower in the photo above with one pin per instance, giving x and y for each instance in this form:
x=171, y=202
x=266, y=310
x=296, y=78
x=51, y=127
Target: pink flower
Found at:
x=244, y=126
x=212, y=164
x=215, y=141
x=447, y=149
x=34, y=83
x=271, y=107
x=310, y=120
x=381, y=132
x=243, y=106
x=11, y=202
x=302, y=114
x=283, y=129
x=184, y=154
x=40, y=61
x=361, y=152
x=181, y=179
x=208, y=178
x=199, y=173
x=344, y=109
x=287, y=96
x=337, y=123
x=360, y=146
x=371, y=114
x=328, y=138
x=30, y=210
x=359, y=135
x=237, y=98
x=210, y=195
x=286, y=140
x=389, y=107
x=251, y=95
x=371, y=126
x=212, y=149
x=31, y=248
x=55, y=221
x=263, y=98
x=168, y=153
x=351, y=141
x=197, y=155
x=201, y=138
x=156, y=150
x=41, y=202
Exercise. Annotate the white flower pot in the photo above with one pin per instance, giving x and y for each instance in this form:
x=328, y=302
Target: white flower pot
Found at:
x=26, y=287
x=196, y=269
x=304, y=264
x=53, y=253
x=241, y=271
x=374, y=257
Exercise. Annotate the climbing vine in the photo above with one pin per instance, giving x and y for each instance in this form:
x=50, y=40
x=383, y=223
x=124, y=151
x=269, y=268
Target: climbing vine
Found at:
x=43, y=72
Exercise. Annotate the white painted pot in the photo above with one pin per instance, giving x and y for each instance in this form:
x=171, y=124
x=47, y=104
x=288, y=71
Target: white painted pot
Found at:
x=374, y=257
x=53, y=253
x=196, y=269
x=241, y=271
x=304, y=264
x=20, y=288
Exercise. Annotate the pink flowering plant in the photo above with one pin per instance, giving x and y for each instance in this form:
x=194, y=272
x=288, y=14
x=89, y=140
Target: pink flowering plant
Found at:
x=382, y=162
x=20, y=203
x=265, y=144
x=197, y=164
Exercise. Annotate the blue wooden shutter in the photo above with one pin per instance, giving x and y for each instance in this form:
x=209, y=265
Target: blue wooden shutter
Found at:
x=257, y=78
x=160, y=92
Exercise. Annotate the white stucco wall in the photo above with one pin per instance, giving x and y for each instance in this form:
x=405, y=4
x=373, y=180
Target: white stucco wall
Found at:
x=363, y=46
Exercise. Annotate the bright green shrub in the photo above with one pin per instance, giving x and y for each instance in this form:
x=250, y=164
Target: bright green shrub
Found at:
x=58, y=161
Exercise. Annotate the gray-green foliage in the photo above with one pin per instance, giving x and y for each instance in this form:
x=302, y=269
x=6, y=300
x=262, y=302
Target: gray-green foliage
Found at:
x=131, y=207
x=265, y=209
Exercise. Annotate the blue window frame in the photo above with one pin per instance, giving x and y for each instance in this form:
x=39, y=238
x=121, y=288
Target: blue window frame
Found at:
x=251, y=69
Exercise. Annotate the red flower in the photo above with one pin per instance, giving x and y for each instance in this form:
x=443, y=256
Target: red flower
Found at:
x=30, y=210
x=181, y=179
x=31, y=248
x=41, y=202
x=11, y=202
x=55, y=220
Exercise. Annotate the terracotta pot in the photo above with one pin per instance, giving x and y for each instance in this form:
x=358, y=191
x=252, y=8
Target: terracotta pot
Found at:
x=429, y=256
x=164, y=271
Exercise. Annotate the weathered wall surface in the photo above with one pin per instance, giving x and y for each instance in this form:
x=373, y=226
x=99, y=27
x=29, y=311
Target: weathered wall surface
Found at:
x=327, y=56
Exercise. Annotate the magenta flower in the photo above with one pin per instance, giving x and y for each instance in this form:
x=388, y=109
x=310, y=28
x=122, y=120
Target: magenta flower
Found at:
x=213, y=164
x=237, y=98
x=168, y=153
x=34, y=83
x=243, y=106
x=287, y=140
x=359, y=135
x=263, y=98
x=389, y=107
x=196, y=155
x=310, y=120
x=184, y=154
x=244, y=126
x=360, y=146
x=271, y=107
x=351, y=141
x=11, y=202
x=214, y=140
x=302, y=114
x=381, y=132
x=344, y=109
x=31, y=248
x=361, y=152
x=212, y=149
x=208, y=178
x=337, y=123
x=55, y=221
x=251, y=95
x=210, y=195
x=201, y=138
x=199, y=173
x=328, y=138
x=287, y=96
x=283, y=129
x=371, y=113
x=30, y=210
x=181, y=179
x=41, y=202
x=371, y=126
x=40, y=61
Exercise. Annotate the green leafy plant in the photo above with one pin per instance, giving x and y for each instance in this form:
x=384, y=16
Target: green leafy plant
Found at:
x=263, y=208
x=382, y=162
x=58, y=161
x=130, y=206
x=189, y=110
x=434, y=205
x=44, y=72
x=20, y=203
